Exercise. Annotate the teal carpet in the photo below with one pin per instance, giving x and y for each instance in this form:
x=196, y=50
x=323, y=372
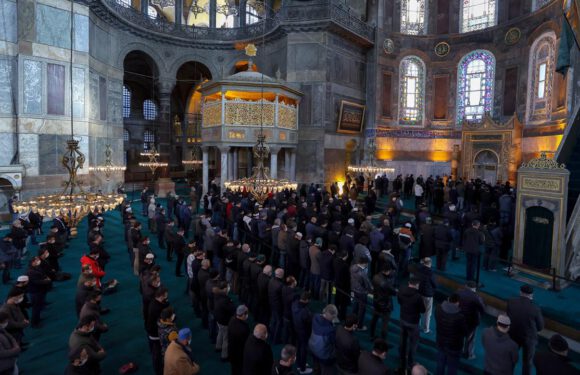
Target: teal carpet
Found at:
x=126, y=340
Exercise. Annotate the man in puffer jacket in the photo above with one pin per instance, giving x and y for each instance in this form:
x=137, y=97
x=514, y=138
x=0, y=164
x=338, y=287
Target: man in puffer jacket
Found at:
x=451, y=332
x=322, y=340
x=360, y=286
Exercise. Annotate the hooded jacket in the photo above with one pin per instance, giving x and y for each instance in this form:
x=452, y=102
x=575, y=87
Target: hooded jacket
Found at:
x=359, y=280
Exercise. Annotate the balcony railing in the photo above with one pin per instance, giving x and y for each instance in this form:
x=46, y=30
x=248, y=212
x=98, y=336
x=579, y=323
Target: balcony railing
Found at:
x=326, y=10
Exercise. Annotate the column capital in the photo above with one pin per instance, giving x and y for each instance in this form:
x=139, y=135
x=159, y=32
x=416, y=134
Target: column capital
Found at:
x=224, y=149
x=274, y=150
x=165, y=85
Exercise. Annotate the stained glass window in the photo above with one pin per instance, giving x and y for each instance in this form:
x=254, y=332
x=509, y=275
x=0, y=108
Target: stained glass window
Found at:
x=411, y=91
x=477, y=14
x=413, y=17
x=475, y=84
x=541, y=77
x=125, y=3
x=148, y=139
x=537, y=4
x=126, y=136
x=126, y=102
x=149, y=110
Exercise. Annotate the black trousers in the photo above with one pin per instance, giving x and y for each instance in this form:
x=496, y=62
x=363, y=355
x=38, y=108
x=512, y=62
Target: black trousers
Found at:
x=179, y=263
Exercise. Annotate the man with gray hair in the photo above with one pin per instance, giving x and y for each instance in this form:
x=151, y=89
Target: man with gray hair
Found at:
x=275, y=287
x=258, y=357
x=287, y=359
x=238, y=332
x=322, y=341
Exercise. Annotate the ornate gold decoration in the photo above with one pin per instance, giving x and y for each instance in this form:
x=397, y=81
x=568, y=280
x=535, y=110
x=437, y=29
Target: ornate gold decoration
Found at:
x=286, y=116
x=212, y=114
x=234, y=134
x=251, y=50
x=543, y=162
x=153, y=164
x=541, y=184
x=442, y=49
x=260, y=185
x=389, y=46
x=250, y=113
x=512, y=36
x=108, y=168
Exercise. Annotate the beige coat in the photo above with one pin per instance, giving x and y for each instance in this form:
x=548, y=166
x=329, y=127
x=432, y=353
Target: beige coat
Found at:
x=177, y=362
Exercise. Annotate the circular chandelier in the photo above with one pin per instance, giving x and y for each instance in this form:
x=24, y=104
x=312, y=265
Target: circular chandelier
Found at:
x=370, y=166
x=260, y=185
x=74, y=206
x=153, y=164
x=108, y=168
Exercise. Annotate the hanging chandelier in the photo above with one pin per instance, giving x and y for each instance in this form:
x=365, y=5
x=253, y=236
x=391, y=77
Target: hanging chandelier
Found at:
x=260, y=185
x=153, y=164
x=108, y=168
x=195, y=9
x=195, y=161
x=73, y=203
x=227, y=10
x=370, y=166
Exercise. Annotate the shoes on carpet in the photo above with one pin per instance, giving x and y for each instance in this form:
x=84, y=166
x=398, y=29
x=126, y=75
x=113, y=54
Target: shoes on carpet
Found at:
x=426, y=331
x=307, y=370
x=362, y=329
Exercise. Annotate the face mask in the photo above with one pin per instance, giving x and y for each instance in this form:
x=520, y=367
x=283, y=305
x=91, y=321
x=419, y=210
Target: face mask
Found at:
x=4, y=325
x=91, y=329
x=157, y=285
x=82, y=361
x=19, y=300
x=228, y=290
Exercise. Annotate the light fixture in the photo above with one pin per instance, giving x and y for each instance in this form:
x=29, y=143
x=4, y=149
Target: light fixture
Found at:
x=370, y=167
x=195, y=161
x=108, y=168
x=227, y=10
x=195, y=9
x=153, y=164
x=260, y=185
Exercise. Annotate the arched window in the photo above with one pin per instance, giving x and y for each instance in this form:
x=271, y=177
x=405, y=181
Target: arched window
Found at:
x=537, y=4
x=541, y=77
x=126, y=102
x=475, y=81
x=152, y=12
x=413, y=17
x=149, y=110
x=125, y=3
x=477, y=14
x=148, y=139
x=126, y=136
x=411, y=91
x=252, y=13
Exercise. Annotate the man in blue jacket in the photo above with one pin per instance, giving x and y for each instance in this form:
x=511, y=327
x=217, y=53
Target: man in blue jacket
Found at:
x=322, y=341
x=302, y=319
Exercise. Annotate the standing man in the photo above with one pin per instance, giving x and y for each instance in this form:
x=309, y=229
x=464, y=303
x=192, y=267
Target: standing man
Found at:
x=472, y=307
x=384, y=290
x=161, y=220
x=347, y=346
x=427, y=289
x=501, y=352
x=323, y=340
x=258, y=357
x=555, y=361
x=360, y=286
x=412, y=306
x=527, y=321
x=451, y=331
x=179, y=246
x=373, y=363
x=473, y=239
x=178, y=356
x=238, y=332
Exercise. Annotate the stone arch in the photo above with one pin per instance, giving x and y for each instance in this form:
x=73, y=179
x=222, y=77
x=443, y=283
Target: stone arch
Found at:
x=159, y=62
x=173, y=68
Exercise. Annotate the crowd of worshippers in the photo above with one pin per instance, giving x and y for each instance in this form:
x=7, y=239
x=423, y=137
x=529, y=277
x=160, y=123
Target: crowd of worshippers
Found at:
x=276, y=258
x=295, y=248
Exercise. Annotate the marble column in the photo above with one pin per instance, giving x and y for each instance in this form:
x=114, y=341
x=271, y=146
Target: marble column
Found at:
x=145, y=6
x=274, y=161
x=178, y=12
x=212, y=13
x=293, y=165
x=164, y=123
x=235, y=158
x=287, y=160
x=224, y=151
x=205, y=168
x=231, y=163
x=250, y=154
x=242, y=13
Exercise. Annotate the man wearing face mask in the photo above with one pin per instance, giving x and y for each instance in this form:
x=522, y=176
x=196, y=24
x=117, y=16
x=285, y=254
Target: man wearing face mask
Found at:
x=92, y=307
x=39, y=284
x=83, y=290
x=92, y=259
x=143, y=250
x=159, y=303
x=178, y=356
x=16, y=320
x=9, y=348
x=167, y=329
x=82, y=338
x=77, y=363
x=22, y=286
x=149, y=289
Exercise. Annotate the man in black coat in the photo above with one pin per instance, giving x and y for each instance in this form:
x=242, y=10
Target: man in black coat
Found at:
x=412, y=307
x=302, y=319
x=155, y=307
x=169, y=235
x=342, y=283
x=443, y=239
x=501, y=352
x=384, y=290
x=202, y=278
x=238, y=333
x=275, y=286
x=179, y=246
x=427, y=244
x=473, y=239
x=347, y=346
x=38, y=286
x=451, y=331
x=427, y=289
x=258, y=357
x=472, y=307
x=326, y=263
x=555, y=361
x=262, y=312
x=527, y=321
x=223, y=311
x=372, y=363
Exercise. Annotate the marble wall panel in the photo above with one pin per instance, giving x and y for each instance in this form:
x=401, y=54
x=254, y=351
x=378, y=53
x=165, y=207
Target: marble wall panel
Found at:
x=7, y=147
x=6, y=86
x=28, y=151
x=49, y=155
x=52, y=26
x=8, y=21
x=32, y=90
x=102, y=98
x=81, y=39
x=94, y=96
x=78, y=92
x=115, y=99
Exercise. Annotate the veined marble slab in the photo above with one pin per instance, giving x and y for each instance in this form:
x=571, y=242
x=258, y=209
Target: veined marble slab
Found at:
x=6, y=90
x=8, y=21
x=78, y=92
x=32, y=93
x=28, y=144
x=52, y=26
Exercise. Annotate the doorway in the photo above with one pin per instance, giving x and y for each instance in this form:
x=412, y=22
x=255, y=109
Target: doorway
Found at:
x=485, y=166
x=539, y=231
